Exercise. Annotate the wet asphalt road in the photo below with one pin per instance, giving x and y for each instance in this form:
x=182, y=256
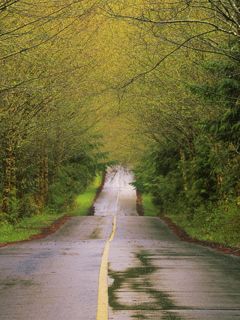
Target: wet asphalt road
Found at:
x=152, y=275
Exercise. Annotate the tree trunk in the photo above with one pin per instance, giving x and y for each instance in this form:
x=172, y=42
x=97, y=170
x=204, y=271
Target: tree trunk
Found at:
x=9, y=175
x=183, y=168
x=59, y=154
x=43, y=183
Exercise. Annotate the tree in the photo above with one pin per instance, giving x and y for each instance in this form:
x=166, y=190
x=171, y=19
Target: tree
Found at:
x=44, y=105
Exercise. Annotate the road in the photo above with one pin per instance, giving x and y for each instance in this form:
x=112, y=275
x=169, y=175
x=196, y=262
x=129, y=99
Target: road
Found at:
x=150, y=273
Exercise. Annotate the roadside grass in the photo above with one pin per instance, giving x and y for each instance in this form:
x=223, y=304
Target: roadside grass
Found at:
x=220, y=228
x=83, y=202
x=31, y=226
x=27, y=227
x=218, y=224
x=149, y=208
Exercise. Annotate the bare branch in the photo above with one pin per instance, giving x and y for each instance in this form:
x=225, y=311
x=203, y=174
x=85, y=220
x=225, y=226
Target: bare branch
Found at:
x=175, y=22
x=39, y=19
x=140, y=75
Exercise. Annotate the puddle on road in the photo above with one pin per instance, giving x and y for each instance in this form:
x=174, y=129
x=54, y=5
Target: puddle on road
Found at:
x=134, y=286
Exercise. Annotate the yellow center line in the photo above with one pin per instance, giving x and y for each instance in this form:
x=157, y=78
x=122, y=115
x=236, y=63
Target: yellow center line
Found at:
x=102, y=309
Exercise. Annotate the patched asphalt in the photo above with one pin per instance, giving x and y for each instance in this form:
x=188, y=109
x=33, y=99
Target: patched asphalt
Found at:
x=152, y=274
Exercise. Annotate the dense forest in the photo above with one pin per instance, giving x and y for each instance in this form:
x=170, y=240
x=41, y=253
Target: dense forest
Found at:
x=153, y=85
x=49, y=146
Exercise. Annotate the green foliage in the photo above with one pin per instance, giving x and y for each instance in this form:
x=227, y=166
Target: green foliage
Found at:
x=72, y=179
x=176, y=115
x=197, y=183
x=157, y=174
x=49, y=143
x=223, y=90
x=217, y=222
x=14, y=205
x=32, y=225
x=148, y=206
x=27, y=206
x=74, y=176
x=84, y=201
x=27, y=227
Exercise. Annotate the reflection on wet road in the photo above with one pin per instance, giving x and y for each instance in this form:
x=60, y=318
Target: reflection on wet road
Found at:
x=118, y=196
x=152, y=274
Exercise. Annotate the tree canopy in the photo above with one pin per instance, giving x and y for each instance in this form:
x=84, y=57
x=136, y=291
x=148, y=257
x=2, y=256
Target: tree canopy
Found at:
x=154, y=85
